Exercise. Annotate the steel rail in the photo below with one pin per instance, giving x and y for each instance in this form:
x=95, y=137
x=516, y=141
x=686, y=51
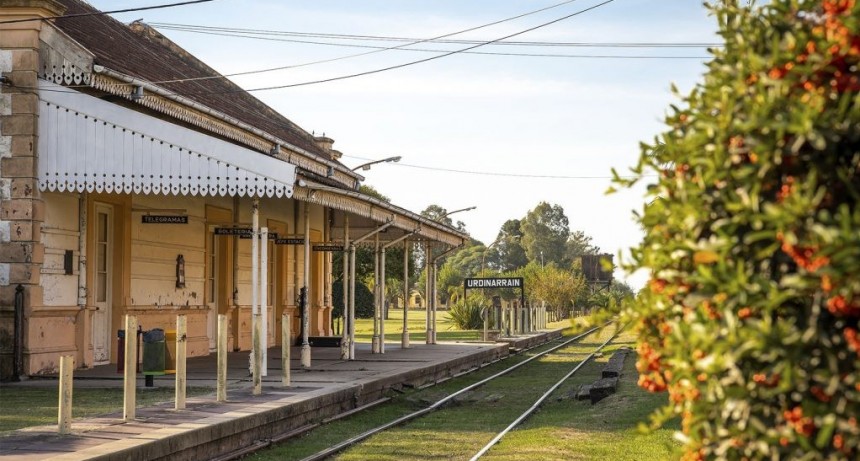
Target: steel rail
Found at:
x=542, y=398
x=408, y=417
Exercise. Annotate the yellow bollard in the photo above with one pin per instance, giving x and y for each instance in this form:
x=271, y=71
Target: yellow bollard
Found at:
x=64, y=417
x=130, y=376
x=221, y=387
x=181, y=345
x=285, y=349
x=257, y=353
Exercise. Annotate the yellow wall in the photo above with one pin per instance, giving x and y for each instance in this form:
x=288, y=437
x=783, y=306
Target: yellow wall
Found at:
x=144, y=276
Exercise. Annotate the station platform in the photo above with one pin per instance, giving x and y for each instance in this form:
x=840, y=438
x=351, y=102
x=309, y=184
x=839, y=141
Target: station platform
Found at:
x=206, y=429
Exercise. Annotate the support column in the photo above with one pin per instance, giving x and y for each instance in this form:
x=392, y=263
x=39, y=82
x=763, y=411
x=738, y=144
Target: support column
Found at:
x=427, y=291
x=382, y=303
x=306, y=346
x=352, y=303
x=264, y=300
x=256, y=353
x=344, y=342
x=21, y=207
x=404, y=339
x=375, y=340
x=433, y=301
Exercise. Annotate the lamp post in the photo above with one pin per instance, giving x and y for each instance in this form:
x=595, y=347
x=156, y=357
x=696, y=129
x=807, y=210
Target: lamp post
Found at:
x=366, y=166
x=440, y=218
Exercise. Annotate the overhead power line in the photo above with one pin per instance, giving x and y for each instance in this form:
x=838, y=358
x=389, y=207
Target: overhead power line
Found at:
x=366, y=53
x=494, y=173
x=426, y=50
x=99, y=13
x=431, y=58
x=357, y=37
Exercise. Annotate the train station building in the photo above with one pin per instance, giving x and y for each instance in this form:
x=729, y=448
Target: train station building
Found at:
x=136, y=180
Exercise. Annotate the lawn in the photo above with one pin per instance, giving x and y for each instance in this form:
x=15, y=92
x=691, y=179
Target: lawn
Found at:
x=445, y=329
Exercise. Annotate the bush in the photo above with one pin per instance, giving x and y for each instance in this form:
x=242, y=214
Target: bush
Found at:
x=750, y=319
x=363, y=300
x=466, y=313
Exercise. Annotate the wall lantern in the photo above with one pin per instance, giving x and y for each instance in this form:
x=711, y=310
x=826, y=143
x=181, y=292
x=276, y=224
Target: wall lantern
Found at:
x=180, y=271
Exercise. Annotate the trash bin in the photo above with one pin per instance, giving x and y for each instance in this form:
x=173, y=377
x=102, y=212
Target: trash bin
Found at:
x=153, y=352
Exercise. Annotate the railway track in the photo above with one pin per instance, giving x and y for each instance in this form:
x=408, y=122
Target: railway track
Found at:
x=559, y=348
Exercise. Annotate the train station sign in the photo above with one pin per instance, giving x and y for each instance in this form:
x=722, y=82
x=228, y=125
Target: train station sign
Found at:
x=494, y=282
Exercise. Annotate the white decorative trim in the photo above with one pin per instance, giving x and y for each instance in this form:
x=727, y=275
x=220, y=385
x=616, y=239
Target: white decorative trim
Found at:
x=87, y=144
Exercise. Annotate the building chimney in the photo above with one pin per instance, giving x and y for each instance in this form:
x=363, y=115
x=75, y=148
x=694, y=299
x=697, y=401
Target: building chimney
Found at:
x=324, y=142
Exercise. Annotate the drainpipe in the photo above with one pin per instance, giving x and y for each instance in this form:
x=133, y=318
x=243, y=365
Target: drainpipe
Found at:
x=82, y=251
x=18, y=346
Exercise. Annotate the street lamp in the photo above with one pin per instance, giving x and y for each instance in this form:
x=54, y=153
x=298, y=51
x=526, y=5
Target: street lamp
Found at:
x=455, y=211
x=366, y=166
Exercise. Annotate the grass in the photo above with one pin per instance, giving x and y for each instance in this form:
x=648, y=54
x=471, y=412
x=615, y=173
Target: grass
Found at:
x=36, y=406
x=445, y=328
x=562, y=429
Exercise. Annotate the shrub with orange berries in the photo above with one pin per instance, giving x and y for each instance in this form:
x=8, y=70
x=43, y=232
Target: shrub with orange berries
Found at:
x=752, y=238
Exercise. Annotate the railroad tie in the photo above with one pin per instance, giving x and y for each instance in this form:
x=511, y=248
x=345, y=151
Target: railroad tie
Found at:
x=608, y=382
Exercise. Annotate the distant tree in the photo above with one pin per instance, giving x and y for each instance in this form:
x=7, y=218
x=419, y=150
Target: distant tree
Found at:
x=371, y=191
x=439, y=214
x=578, y=244
x=508, y=254
x=545, y=233
x=449, y=278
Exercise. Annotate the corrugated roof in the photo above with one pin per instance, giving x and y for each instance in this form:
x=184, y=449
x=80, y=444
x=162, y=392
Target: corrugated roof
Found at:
x=140, y=51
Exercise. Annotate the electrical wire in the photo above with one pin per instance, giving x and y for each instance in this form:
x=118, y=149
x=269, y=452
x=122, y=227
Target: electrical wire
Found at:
x=421, y=61
x=425, y=50
x=366, y=53
x=493, y=173
x=100, y=13
x=269, y=32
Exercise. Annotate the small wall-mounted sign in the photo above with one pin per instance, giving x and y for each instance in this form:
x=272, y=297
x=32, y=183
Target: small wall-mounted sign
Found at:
x=328, y=247
x=290, y=241
x=163, y=219
x=241, y=231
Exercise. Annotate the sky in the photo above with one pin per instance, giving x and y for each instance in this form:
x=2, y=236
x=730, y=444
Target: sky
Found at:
x=518, y=130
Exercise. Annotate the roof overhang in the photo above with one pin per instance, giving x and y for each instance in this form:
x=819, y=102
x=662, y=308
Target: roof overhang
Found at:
x=86, y=144
x=365, y=213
